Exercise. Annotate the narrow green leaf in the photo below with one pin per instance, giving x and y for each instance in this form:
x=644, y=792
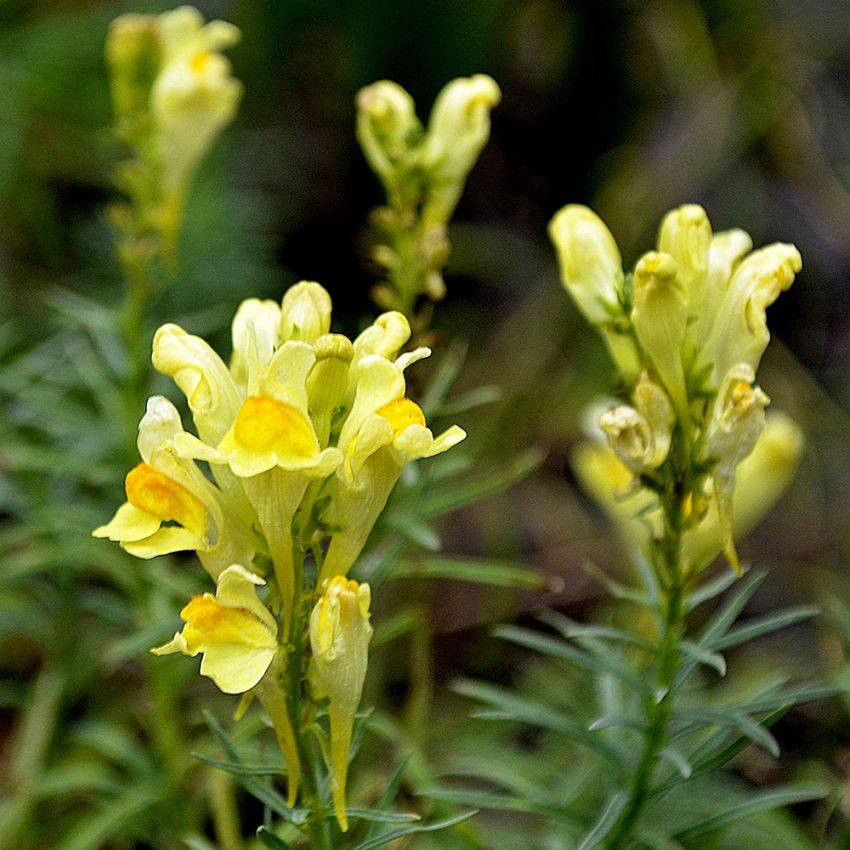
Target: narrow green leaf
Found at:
x=596, y=661
x=503, y=803
x=238, y=769
x=775, y=798
x=109, y=822
x=702, y=655
x=264, y=793
x=477, y=571
x=764, y=625
x=469, y=400
x=399, y=624
x=710, y=589
x=511, y=706
x=382, y=840
x=678, y=760
x=448, y=368
x=270, y=840
x=443, y=502
x=722, y=621
x=572, y=630
x=717, y=751
x=606, y=822
x=391, y=789
x=730, y=719
x=375, y=816
x=615, y=588
x=197, y=842
x=415, y=531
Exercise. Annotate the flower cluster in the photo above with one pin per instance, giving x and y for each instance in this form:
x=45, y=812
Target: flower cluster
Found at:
x=686, y=330
x=305, y=434
x=173, y=93
x=423, y=172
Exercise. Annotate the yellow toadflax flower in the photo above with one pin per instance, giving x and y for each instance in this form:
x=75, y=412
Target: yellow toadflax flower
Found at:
x=194, y=95
x=171, y=506
x=234, y=630
x=693, y=314
x=339, y=639
x=383, y=432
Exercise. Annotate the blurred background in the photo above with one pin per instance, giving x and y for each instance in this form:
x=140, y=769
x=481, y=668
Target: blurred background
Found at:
x=630, y=107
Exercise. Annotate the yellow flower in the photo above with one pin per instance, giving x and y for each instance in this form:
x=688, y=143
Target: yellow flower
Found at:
x=591, y=268
x=234, y=630
x=458, y=129
x=194, y=95
x=685, y=235
x=592, y=273
x=167, y=488
x=659, y=317
x=383, y=432
x=306, y=312
x=760, y=479
x=387, y=128
x=739, y=333
x=133, y=54
x=736, y=424
x=339, y=639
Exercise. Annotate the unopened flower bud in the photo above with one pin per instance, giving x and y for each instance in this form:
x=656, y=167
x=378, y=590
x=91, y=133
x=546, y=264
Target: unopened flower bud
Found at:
x=591, y=268
x=659, y=317
x=306, y=312
x=736, y=424
x=194, y=97
x=458, y=129
x=385, y=336
x=630, y=436
x=327, y=383
x=133, y=57
x=653, y=404
x=685, y=235
x=339, y=638
x=387, y=127
x=739, y=333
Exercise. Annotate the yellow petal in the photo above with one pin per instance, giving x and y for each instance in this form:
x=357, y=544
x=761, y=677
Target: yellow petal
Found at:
x=401, y=413
x=128, y=524
x=265, y=424
x=155, y=493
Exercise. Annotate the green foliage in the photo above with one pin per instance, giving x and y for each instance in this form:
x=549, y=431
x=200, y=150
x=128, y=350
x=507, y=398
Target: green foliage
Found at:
x=587, y=701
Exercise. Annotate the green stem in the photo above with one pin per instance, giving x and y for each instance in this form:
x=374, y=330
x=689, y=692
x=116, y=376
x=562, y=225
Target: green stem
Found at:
x=659, y=703
x=136, y=264
x=318, y=825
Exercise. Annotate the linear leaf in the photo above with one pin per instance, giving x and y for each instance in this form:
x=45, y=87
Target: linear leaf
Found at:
x=703, y=655
x=381, y=840
x=615, y=588
x=710, y=589
x=272, y=841
x=264, y=793
x=775, y=798
x=475, y=570
x=678, y=760
x=391, y=789
x=375, y=816
x=572, y=630
x=511, y=706
x=439, y=503
x=239, y=769
x=558, y=648
x=502, y=803
x=764, y=625
x=100, y=828
x=605, y=823
x=730, y=719
x=722, y=621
